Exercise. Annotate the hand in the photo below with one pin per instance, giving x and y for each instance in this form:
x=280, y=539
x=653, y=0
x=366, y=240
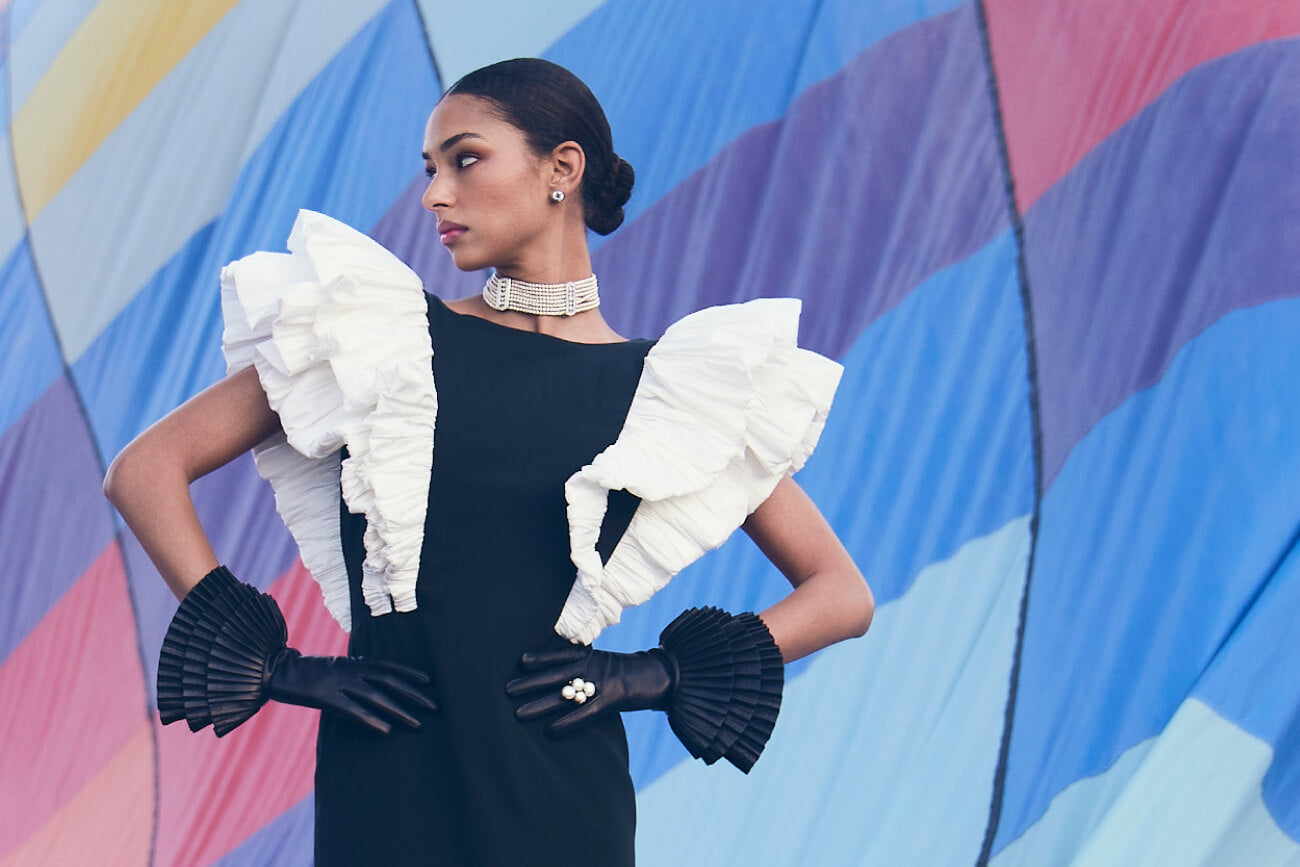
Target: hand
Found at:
x=362, y=690
x=644, y=680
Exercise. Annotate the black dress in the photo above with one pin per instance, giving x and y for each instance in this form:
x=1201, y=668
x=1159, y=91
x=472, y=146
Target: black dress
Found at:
x=518, y=413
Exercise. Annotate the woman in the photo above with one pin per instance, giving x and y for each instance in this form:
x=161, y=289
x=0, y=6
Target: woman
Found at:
x=445, y=466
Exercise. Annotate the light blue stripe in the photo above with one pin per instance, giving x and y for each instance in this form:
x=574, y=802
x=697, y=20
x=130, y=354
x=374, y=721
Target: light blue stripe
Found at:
x=318, y=156
x=926, y=448
x=517, y=28
x=1165, y=523
x=1189, y=796
x=680, y=80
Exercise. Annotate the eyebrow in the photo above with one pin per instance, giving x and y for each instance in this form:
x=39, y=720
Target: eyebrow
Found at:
x=454, y=140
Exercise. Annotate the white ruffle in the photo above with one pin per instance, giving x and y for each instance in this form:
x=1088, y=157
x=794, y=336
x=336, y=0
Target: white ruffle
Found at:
x=727, y=404
x=338, y=331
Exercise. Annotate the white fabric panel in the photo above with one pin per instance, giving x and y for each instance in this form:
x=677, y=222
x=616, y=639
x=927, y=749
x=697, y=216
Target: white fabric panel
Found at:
x=1190, y=796
x=167, y=170
x=518, y=28
x=886, y=746
x=42, y=37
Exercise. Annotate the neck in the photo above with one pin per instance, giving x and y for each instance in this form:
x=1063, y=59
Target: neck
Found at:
x=554, y=257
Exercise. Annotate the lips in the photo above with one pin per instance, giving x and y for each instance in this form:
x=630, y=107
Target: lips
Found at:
x=449, y=232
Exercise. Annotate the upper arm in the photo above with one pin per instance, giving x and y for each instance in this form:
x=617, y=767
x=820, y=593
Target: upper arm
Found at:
x=792, y=532
x=210, y=429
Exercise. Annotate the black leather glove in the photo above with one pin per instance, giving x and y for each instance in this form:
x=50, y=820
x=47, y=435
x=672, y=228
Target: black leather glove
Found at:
x=363, y=690
x=225, y=655
x=719, y=676
x=645, y=680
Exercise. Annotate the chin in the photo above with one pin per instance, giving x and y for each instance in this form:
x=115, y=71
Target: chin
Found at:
x=467, y=261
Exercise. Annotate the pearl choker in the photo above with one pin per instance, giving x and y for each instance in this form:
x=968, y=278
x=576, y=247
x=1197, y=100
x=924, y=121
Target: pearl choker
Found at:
x=541, y=299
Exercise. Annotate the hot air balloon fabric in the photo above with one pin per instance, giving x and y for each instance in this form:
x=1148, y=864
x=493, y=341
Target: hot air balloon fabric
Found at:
x=1056, y=246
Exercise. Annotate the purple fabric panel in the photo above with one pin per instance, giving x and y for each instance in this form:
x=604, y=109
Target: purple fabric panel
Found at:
x=238, y=514
x=54, y=520
x=916, y=186
x=1189, y=211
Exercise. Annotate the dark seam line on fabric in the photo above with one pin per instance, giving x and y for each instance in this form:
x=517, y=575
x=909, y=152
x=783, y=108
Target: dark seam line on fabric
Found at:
x=1027, y=308
x=117, y=534
x=428, y=45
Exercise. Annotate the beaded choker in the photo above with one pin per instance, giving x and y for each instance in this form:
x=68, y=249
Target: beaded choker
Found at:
x=541, y=299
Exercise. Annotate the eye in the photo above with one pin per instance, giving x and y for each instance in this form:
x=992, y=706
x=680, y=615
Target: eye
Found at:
x=465, y=160
x=430, y=171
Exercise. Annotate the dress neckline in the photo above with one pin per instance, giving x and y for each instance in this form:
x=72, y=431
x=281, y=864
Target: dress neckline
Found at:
x=496, y=326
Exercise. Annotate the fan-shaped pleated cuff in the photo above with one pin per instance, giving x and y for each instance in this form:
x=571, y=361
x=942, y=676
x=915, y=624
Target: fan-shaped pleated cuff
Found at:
x=213, y=663
x=729, y=683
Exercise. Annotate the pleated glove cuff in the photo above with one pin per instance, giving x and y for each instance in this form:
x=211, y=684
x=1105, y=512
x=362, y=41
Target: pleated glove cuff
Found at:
x=730, y=674
x=218, y=654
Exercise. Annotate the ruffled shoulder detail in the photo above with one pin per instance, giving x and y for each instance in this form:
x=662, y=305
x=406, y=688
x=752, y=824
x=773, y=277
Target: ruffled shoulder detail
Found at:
x=338, y=331
x=726, y=405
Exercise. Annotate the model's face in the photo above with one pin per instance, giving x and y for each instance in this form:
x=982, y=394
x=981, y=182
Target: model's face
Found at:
x=486, y=186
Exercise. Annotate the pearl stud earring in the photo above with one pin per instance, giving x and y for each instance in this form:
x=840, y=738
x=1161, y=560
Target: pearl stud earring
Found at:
x=557, y=195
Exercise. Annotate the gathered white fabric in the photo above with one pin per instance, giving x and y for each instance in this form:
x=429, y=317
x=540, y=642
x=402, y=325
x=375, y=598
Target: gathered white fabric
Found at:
x=338, y=331
x=727, y=404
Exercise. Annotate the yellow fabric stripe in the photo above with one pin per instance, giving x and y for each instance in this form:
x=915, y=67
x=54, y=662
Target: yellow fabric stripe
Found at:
x=116, y=57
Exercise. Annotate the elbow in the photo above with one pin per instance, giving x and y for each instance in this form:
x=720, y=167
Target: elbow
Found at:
x=863, y=608
x=121, y=473
x=113, y=480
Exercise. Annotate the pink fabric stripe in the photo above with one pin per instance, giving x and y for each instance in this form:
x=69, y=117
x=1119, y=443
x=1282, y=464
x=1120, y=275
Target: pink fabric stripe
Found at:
x=71, y=694
x=215, y=792
x=1069, y=74
x=108, y=821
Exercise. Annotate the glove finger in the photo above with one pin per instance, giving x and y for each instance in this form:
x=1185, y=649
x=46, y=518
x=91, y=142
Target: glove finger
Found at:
x=399, y=687
x=398, y=668
x=540, y=707
x=349, y=709
x=378, y=700
x=571, y=722
x=551, y=678
x=535, y=660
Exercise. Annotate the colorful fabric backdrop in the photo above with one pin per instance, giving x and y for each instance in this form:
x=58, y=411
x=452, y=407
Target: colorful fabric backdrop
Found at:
x=1056, y=246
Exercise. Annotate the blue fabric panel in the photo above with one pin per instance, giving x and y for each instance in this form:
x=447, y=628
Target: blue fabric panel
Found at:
x=317, y=156
x=29, y=354
x=680, y=80
x=926, y=448
x=285, y=841
x=1159, y=534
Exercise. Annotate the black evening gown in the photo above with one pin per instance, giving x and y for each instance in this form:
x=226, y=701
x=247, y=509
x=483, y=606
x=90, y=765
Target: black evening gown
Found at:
x=518, y=413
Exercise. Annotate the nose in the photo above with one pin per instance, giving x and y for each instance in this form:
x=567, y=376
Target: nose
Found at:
x=435, y=195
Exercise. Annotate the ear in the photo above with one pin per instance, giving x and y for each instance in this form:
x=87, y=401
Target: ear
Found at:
x=566, y=166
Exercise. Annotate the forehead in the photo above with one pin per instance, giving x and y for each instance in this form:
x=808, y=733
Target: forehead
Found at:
x=458, y=114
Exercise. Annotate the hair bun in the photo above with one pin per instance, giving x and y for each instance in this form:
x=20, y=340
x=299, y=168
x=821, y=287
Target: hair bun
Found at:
x=612, y=195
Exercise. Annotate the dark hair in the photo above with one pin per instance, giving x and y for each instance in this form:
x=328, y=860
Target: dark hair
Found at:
x=550, y=105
